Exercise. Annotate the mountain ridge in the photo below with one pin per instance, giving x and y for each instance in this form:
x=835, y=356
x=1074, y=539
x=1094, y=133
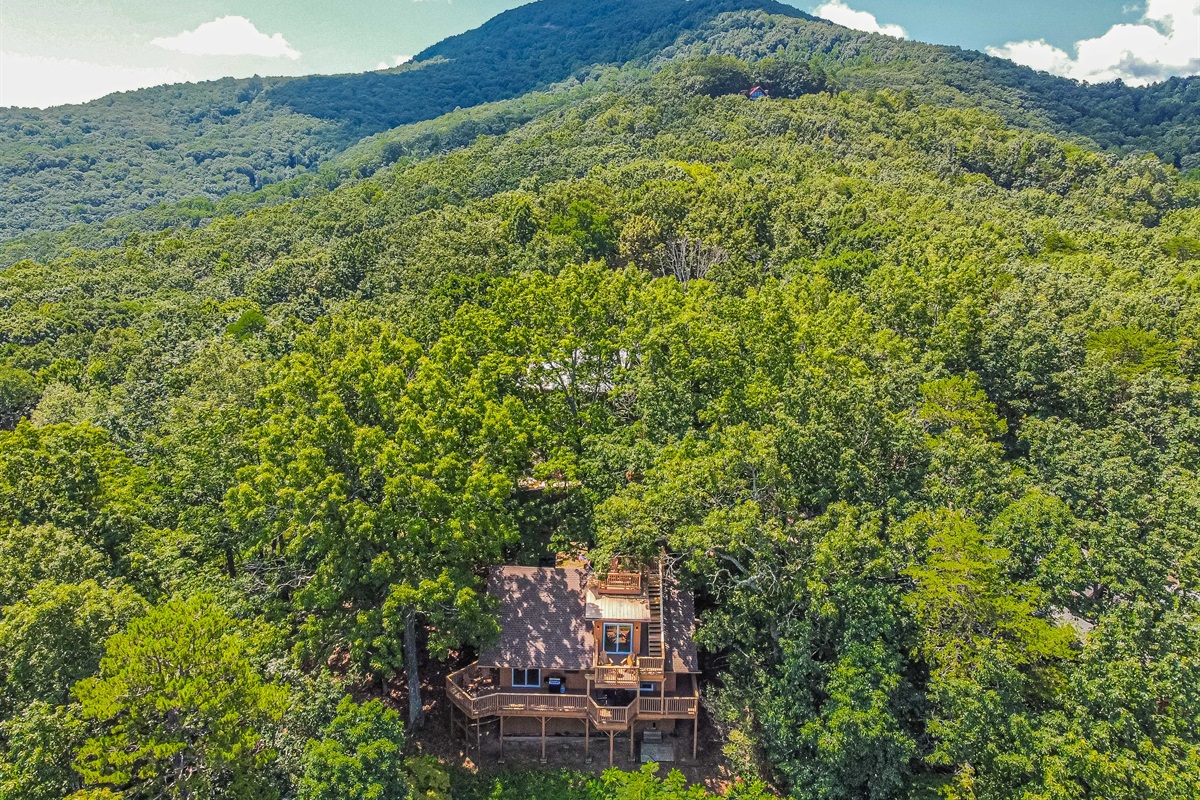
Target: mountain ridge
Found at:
x=79, y=164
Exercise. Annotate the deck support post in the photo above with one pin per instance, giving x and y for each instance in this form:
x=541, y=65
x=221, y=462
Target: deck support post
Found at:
x=611, y=734
x=695, y=732
x=501, y=738
x=478, y=737
x=632, y=736
x=543, y=740
x=587, y=739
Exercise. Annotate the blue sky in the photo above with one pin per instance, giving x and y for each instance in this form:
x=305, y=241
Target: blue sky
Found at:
x=59, y=51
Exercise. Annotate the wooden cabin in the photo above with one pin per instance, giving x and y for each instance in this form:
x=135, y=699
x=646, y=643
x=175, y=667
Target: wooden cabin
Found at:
x=582, y=652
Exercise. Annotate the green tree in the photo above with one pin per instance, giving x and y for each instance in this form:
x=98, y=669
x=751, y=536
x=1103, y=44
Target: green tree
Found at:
x=55, y=638
x=644, y=784
x=360, y=754
x=1126, y=726
x=182, y=710
x=588, y=227
x=521, y=224
x=788, y=77
x=18, y=393
x=39, y=745
x=993, y=658
x=73, y=477
x=712, y=75
x=383, y=482
x=30, y=554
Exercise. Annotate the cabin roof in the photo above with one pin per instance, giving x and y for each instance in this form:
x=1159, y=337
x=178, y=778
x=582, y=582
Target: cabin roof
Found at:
x=542, y=619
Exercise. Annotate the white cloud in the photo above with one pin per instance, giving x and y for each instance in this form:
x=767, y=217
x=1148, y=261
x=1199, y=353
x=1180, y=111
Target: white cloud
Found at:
x=228, y=36
x=1165, y=42
x=37, y=81
x=397, y=61
x=1039, y=54
x=837, y=11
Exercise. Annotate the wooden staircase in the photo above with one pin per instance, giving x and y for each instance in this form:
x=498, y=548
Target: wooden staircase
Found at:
x=655, y=628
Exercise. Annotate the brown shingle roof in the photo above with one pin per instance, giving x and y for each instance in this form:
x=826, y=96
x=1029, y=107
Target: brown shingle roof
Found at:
x=679, y=623
x=542, y=623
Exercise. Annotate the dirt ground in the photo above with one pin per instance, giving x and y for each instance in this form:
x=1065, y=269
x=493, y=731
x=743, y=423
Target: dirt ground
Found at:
x=435, y=738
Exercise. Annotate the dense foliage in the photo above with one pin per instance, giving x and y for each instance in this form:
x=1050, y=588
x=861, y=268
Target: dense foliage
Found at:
x=176, y=151
x=909, y=396
x=613, y=785
x=135, y=150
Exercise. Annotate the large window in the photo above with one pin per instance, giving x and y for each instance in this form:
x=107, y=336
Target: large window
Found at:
x=527, y=678
x=618, y=638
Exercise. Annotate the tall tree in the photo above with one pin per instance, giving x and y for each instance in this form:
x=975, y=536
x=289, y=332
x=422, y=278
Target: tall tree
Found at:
x=181, y=708
x=994, y=658
x=383, y=484
x=55, y=637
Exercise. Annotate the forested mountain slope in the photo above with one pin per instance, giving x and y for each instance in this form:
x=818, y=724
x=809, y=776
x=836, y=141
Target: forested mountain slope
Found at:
x=90, y=163
x=364, y=158
x=135, y=150
x=910, y=397
x=1162, y=118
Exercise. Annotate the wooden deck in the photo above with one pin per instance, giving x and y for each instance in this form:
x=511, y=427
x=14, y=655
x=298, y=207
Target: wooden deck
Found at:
x=628, y=676
x=478, y=700
x=621, y=583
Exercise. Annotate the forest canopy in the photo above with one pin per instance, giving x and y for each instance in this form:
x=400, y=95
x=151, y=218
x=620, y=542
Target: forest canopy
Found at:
x=904, y=391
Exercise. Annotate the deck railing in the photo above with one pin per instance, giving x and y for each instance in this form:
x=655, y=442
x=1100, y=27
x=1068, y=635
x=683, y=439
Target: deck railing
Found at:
x=621, y=582
x=609, y=716
x=488, y=701
x=650, y=706
x=651, y=668
x=616, y=675
x=627, y=675
x=517, y=703
x=681, y=706
x=646, y=706
x=511, y=702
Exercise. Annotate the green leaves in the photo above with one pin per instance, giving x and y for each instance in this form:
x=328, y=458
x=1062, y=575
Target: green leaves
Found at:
x=1126, y=729
x=360, y=754
x=74, y=479
x=55, y=637
x=993, y=660
x=384, y=480
x=968, y=608
x=181, y=707
x=40, y=745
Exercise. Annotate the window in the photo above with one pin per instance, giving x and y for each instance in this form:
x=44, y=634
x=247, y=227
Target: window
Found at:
x=648, y=687
x=527, y=678
x=618, y=638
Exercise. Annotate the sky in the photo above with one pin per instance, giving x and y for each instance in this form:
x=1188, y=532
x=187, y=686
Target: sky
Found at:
x=54, y=52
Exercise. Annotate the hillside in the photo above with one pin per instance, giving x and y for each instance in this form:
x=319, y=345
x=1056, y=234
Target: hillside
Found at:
x=90, y=163
x=906, y=392
x=1162, y=118
x=86, y=164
